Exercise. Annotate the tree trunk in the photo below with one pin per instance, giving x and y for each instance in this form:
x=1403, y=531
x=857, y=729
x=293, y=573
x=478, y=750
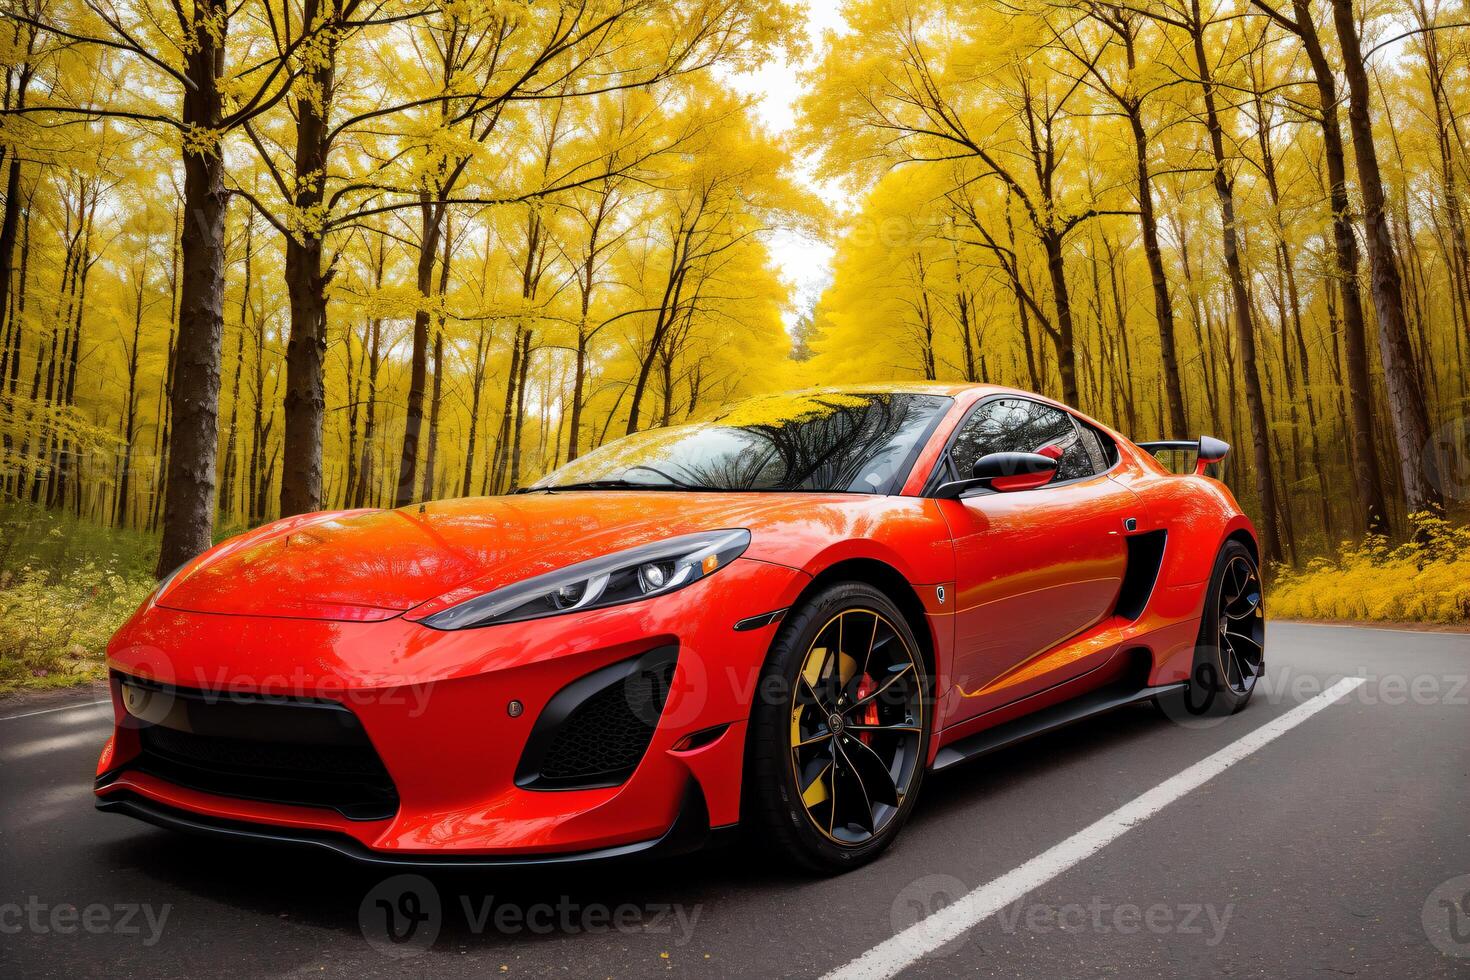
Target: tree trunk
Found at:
x=1405, y=394
x=482, y=343
x=431, y=216
x=1163, y=303
x=431, y=450
x=305, y=402
x=50, y=354
x=501, y=456
x=251, y=485
x=130, y=406
x=1457, y=256
x=354, y=399
x=10, y=377
x=366, y=477
x=666, y=371
x=1362, y=451
x=431, y=453
x=306, y=351
x=188, y=516
x=65, y=465
x=10, y=223
x=520, y=411
x=1062, y=338
x=1032, y=370
x=161, y=430
x=166, y=387
x=1244, y=325
x=926, y=323
x=1124, y=377
x=579, y=382
x=668, y=309
x=227, y=478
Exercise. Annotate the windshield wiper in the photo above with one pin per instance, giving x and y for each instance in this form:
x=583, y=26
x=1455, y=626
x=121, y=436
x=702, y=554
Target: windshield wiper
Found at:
x=615, y=485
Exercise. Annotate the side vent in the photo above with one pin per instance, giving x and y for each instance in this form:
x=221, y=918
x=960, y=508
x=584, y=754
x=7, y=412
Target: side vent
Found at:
x=593, y=733
x=1145, y=556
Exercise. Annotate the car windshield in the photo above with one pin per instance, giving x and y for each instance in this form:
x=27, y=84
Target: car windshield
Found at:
x=852, y=442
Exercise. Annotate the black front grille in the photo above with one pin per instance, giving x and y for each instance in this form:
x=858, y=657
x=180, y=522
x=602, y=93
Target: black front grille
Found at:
x=595, y=731
x=301, y=752
x=242, y=754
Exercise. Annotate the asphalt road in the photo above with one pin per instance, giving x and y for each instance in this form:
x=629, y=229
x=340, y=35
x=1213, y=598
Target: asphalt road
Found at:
x=1332, y=849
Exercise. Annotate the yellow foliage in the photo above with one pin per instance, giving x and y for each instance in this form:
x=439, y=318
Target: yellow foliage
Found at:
x=1426, y=581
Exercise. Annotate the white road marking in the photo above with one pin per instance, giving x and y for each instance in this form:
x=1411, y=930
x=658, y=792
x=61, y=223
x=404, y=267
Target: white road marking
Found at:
x=928, y=934
x=47, y=711
x=1369, y=626
x=54, y=743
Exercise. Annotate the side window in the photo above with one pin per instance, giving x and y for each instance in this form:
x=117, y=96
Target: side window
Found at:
x=1093, y=446
x=1020, y=425
x=1107, y=448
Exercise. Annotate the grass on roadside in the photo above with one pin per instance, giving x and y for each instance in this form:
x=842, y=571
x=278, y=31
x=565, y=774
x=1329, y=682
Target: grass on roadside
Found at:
x=65, y=586
x=1425, y=581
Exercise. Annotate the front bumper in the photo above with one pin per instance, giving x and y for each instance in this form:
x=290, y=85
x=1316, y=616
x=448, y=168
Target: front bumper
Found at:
x=691, y=831
x=436, y=707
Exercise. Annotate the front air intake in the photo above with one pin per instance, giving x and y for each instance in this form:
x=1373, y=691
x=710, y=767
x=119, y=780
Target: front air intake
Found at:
x=297, y=751
x=593, y=733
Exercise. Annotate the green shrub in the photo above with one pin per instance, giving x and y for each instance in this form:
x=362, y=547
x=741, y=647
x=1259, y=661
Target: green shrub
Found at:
x=65, y=586
x=54, y=628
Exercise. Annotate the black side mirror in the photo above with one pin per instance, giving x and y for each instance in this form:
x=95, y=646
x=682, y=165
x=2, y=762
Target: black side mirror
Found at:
x=1004, y=472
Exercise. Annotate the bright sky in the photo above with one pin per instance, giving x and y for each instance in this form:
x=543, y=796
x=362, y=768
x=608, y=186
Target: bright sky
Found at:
x=804, y=262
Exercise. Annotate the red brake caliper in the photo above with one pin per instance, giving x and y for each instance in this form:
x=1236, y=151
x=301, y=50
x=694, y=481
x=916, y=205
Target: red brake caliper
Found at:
x=870, y=713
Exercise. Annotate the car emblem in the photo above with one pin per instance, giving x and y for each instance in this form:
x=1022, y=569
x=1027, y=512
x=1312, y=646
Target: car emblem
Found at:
x=939, y=594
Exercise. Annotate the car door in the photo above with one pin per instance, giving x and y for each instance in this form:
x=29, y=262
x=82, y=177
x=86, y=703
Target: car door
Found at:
x=1034, y=568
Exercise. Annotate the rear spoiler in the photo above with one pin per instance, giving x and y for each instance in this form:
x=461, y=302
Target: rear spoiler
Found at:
x=1207, y=450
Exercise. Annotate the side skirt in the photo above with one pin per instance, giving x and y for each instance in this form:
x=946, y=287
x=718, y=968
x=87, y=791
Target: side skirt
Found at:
x=1089, y=705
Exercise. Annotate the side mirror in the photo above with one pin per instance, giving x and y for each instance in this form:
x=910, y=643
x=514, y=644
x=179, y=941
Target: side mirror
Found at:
x=1005, y=472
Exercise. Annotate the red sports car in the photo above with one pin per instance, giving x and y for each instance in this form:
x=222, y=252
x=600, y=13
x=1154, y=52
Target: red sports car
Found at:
x=781, y=618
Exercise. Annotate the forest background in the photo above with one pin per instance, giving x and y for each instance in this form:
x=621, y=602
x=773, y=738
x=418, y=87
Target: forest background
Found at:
x=265, y=257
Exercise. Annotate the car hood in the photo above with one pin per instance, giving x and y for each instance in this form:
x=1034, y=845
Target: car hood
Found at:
x=375, y=564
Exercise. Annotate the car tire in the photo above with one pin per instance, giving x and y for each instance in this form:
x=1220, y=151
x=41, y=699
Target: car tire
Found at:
x=790, y=713
x=1229, y=653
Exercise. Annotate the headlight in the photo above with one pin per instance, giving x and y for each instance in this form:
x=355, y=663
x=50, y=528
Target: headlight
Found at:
x=627, y=576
